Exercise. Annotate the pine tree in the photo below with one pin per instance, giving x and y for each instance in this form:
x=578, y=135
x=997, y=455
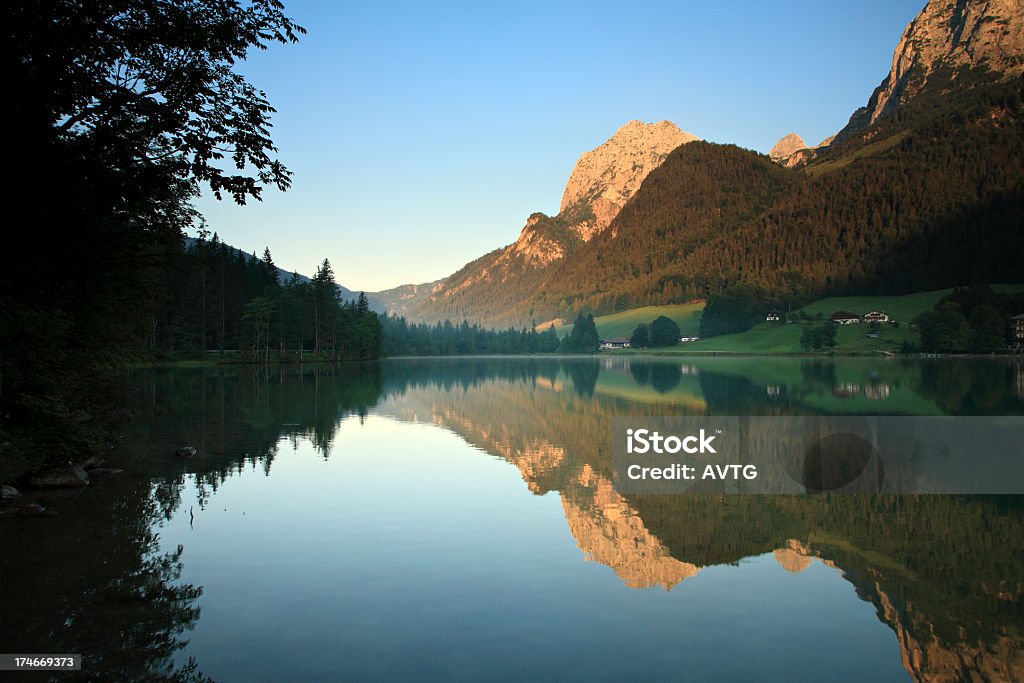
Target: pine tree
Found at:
x=326, y=296
x=269, y=267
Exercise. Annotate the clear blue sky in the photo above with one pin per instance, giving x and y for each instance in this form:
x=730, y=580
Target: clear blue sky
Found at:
x=422, y=135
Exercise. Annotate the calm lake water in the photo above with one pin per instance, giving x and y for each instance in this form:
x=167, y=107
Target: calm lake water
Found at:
x=455, y=519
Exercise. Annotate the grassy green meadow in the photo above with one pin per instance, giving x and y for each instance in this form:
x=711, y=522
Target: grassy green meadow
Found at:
x=778, y=337
x=622, y=324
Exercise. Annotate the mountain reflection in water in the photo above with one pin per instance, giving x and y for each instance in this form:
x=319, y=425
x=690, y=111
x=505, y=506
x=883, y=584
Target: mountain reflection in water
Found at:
x=944, y=573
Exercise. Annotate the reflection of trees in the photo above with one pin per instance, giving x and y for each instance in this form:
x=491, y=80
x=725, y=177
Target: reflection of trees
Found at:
x=665, y=377
x=94, y=581
x=819, y=373
x=733, y=395
x=641, y=372
x=971, y=388
x=584, y=376
x=662, y=377
x=238, y=415
x=448, y=373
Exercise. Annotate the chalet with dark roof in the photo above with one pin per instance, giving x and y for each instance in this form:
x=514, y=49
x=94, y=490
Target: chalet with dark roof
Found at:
x=845, y=318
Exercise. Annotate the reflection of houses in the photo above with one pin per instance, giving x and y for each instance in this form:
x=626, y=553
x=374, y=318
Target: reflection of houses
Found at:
x=878, y=392
x=1020, y=380
x=846, y=390
x=615, y=343
x=876, y=317
x=844, y=318
x=773, y=316
x=873, y=392
x=1017, y=330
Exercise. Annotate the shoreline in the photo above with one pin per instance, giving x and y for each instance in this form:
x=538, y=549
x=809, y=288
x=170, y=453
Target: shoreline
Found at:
x=618, y=353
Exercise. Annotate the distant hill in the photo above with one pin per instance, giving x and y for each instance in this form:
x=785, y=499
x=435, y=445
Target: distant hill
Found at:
x=404, y=300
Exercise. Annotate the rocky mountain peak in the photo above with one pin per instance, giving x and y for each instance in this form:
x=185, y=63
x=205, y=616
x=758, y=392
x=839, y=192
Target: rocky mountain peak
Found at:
x=603, y=180
x=792, y=151
x=787, y=147
x=948, y=33
x=606, y=177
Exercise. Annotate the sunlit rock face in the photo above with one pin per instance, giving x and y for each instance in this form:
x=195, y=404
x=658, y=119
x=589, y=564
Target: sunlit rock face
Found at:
x=787, y=147
x=606, y=177
x=953, y=34
x=956, y=34
x=792, y=151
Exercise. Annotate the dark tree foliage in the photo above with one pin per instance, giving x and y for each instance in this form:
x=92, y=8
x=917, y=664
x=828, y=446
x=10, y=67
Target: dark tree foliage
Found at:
x=583, y=338
x=820, y=338
x=969, y=319
x=664, y=332
x=139, y=87
x=988, y=330
x=220, y=299
x=943, y=329
x=120, y=111
x=641, y=337
x=928, y=199
x=736, y=309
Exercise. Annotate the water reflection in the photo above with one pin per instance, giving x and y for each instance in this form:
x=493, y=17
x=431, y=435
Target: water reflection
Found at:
x=944, y=573
x=95, y=581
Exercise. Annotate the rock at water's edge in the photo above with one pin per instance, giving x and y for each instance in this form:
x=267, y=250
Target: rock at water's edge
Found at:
x=59, y=476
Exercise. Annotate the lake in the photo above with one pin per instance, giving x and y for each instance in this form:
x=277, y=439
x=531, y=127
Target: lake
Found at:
x=456, y=519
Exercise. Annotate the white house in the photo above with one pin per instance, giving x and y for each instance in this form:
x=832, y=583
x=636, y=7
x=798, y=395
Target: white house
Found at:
x=877, y=317
x=615, y=343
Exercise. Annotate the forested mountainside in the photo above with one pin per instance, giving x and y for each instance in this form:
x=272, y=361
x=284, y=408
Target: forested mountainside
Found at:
x=921, y=190
x=928, y=197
